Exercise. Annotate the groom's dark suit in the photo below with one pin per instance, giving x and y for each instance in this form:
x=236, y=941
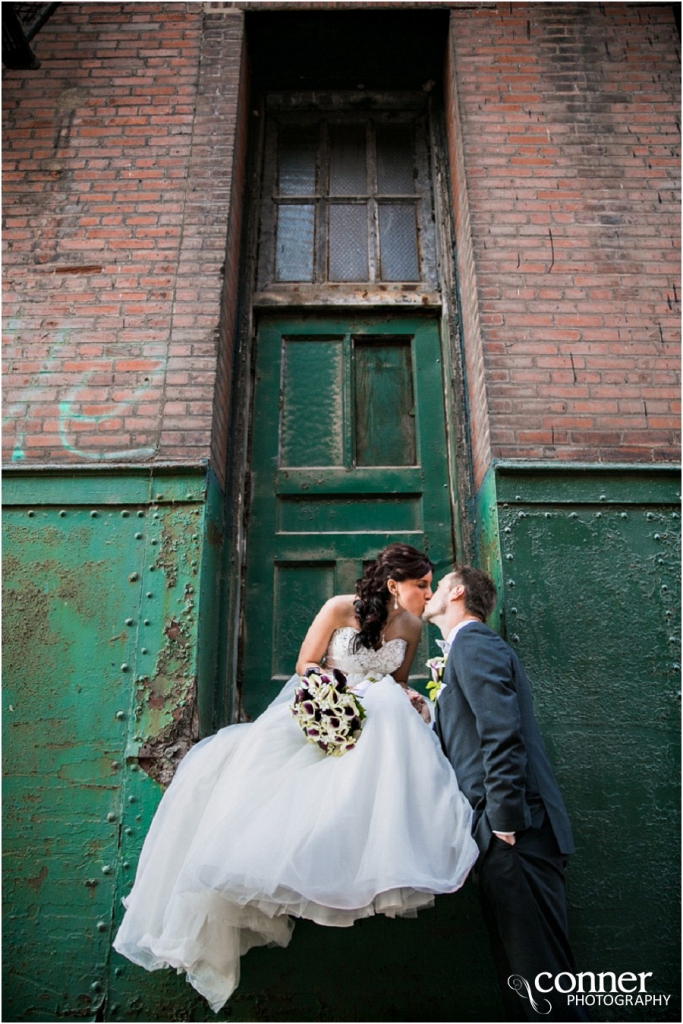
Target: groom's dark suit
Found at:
x=485, y=721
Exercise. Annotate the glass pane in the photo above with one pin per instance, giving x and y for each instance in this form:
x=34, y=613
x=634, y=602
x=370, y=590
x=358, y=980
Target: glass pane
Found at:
x=347, y=160
x=297, y=153
x=398, y=242
x=294, y=246
x=385, y=417
x=395, y=164
x=348, y=242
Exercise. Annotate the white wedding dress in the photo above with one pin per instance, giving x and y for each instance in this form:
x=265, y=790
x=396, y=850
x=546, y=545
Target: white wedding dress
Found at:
x=259, y=827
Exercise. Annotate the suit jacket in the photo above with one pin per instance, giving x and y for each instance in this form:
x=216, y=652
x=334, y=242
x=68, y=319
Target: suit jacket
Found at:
x=485, y=722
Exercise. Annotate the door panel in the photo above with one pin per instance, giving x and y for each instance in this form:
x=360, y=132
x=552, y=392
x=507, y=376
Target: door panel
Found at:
x=348, y=455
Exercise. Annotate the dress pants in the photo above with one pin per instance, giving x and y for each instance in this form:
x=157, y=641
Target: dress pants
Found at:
x=522, y=889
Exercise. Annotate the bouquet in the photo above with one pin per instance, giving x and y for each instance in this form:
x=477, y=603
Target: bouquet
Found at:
x=329, y=715
x=435, y=686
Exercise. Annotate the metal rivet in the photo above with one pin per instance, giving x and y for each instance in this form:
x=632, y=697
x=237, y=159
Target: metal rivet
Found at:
x=101, y=926
x=138, y=817
x=668, y=614
x=521, y=515
x=146, y=622
x=115, y=765
x=125, y=514
x=195, y=536
x=96, y=987
x=128, y=831
x=138, y=536
x=118, y=971
x=664, y=587
x=624, y=515
x=125, y=865
x=138, y=739
x=152, y=568
x=150, y=594
x=675, y=515
x=598, y=515
x=144, y=650
x=573, y=515
x=30, y=513
x=131, y=800
x=129, y=622
x=509, y=557
x=518, y=497
x=133, y=577
x=508, y=529
x=159, y=497
x=513, y=611
x=154, y=540
x=106, y=870
x=120, y=715
x=511, y=583
x=673, y=639
x=62, y=513
x=656, y=536
x=140, y=514
x=515, y=638
x=111, y=816
x=193, y=563
x=548, y=515
x=189, y=590
x=94, y=514
x=135, y=767
x=603, y=497
x=650, y=515
x=125, y=667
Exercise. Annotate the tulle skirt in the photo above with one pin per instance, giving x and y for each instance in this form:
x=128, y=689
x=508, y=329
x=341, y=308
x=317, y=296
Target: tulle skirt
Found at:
x=259, y=827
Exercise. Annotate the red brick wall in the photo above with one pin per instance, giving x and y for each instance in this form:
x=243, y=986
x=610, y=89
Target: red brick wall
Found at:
x=569, y=118
x=117, y=165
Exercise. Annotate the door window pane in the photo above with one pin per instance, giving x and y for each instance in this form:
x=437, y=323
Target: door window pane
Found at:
x=395, y=163
x=312, y=409
x=385, y=415
x=297, y=153
x=348, y=176
x=348, y=242
x=294, y=248
x=398, y=242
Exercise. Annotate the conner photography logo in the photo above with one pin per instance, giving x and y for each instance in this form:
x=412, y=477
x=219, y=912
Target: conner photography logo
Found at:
x=587, y=989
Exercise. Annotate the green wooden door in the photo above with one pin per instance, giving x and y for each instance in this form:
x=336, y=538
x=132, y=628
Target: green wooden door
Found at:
x=348, y=454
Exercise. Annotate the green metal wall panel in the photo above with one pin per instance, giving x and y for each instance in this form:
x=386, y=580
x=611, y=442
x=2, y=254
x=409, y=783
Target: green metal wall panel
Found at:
x=590, y=572
x=101, y=618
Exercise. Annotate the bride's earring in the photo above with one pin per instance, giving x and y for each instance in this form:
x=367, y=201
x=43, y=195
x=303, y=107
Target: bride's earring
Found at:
x=395, y=600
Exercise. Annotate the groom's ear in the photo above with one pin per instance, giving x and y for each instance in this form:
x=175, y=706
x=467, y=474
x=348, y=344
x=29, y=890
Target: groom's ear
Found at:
x=457, y=592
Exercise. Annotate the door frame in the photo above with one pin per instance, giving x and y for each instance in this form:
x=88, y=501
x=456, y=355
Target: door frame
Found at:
x=458, y=442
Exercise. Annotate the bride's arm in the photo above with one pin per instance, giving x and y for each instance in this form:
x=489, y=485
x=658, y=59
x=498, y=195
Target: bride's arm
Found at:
x=334, y=613
x=413, y=633
x=411, y=630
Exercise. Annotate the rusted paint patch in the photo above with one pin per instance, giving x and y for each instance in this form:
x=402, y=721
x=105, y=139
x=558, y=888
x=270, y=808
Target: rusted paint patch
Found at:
x=160, y=757
x=36, y=882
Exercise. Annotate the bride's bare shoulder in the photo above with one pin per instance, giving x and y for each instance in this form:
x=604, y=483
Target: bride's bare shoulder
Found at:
x=339, y=610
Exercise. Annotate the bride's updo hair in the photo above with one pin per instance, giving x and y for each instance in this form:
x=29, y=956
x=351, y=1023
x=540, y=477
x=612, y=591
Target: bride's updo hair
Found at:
x=396, y=562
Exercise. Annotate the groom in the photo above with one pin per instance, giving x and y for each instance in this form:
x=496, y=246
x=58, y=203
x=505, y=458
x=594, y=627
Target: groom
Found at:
x=485, y=722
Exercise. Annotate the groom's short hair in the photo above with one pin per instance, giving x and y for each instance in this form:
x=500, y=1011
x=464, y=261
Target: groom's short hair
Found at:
x=480, y=590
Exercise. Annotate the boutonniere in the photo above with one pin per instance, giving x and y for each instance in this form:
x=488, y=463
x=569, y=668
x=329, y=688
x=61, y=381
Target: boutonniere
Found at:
x=435, y=686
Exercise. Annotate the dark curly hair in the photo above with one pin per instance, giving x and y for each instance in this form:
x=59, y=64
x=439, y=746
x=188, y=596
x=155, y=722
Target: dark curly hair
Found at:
x=396, y=562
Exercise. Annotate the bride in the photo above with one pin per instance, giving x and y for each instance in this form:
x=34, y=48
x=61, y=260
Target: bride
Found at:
x=259, y=826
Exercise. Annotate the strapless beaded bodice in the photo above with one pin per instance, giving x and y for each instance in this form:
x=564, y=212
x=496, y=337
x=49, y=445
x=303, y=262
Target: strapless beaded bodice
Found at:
x=366, y=661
